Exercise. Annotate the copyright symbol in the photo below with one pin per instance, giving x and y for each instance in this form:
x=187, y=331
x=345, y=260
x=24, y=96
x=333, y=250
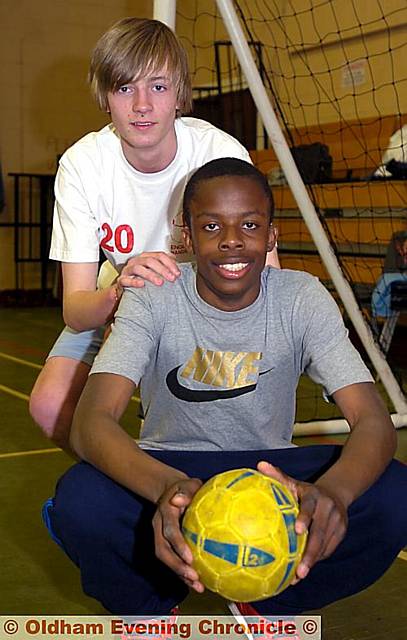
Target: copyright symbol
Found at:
x=10, y=627
x=310, y=627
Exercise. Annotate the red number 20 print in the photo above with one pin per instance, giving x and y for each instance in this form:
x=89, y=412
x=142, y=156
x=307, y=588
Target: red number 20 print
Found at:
x=121, y=240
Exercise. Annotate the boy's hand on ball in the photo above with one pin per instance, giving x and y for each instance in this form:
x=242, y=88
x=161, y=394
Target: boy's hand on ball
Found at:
x=170, y=545
x=151, y=266
x=321, y=513
x=271, y=471
x=327, y=521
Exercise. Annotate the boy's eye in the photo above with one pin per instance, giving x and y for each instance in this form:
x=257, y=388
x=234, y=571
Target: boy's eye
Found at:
x=212, y=226
x=159, y=88
x=250, y=225
x=124, y=89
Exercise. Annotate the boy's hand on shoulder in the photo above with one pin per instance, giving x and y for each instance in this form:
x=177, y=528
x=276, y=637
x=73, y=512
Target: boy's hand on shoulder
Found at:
x=170, y=545
x=320, y=512
x=151, y=266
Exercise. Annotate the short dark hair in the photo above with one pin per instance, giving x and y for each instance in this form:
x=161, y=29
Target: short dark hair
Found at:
x=222, y=167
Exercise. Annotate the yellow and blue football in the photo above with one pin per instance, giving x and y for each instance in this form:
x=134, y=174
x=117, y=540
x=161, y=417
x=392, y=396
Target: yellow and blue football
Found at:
x=240, y=528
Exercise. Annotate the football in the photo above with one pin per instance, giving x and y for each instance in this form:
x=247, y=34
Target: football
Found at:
x=240, y=528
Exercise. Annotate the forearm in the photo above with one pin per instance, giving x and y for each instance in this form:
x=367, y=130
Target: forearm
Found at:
x=87, y=308
x=367, y=452
x=97, y=438
x=84, y=310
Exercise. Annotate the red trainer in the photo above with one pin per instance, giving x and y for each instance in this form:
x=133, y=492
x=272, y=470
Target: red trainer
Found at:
x=163, y=628
x=260, y=627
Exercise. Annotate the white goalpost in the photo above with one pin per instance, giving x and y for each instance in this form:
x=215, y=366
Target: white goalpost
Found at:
x=309, y=214
x=165, y=10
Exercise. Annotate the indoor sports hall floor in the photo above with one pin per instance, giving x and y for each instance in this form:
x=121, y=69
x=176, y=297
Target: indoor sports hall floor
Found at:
x=35, y=576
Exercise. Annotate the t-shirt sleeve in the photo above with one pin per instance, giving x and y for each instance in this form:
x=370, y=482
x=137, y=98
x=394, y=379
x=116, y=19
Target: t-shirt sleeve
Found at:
x=75, y=228
x=232, y=148
x=329, y=358
x=219, y=144
x=133, y=339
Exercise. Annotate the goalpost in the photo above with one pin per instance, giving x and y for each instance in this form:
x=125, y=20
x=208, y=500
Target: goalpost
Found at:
x=166, y=11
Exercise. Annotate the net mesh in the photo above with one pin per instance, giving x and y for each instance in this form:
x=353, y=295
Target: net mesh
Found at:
x=335, y=73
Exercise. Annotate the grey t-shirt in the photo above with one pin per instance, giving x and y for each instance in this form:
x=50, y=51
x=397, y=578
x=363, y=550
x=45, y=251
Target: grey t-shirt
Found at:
x=217, y=380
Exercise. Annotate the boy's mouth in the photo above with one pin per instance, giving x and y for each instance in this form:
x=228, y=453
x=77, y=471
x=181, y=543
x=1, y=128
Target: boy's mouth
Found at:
x=233, y=270
x=141, y=124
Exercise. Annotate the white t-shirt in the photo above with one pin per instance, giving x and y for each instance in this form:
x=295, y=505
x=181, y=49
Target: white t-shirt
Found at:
x=102, y=201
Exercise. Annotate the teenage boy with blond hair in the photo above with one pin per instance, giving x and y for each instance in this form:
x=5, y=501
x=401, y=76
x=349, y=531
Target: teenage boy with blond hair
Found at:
x=119, y=190
x=218, y=383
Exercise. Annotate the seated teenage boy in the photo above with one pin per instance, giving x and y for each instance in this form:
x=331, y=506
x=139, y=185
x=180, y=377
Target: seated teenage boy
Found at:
x=219, y=354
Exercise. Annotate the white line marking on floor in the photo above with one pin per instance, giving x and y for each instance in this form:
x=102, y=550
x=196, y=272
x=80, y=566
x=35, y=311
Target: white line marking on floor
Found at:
x=34, y=365
x=27, y=363
x=13, y=392
x=23, y=396
x=19, y=454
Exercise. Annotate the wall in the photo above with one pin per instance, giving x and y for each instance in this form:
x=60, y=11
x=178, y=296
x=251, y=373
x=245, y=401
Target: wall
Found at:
x=346, y=59
x=45, y=101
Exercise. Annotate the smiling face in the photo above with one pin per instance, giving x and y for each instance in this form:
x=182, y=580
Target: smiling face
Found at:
x=143, y=113
x=230, y=235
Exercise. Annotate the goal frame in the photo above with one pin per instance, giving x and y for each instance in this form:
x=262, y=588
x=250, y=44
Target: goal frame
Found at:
x=165, y=10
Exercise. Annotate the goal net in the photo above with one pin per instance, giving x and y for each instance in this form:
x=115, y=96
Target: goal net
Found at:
x=334, y=75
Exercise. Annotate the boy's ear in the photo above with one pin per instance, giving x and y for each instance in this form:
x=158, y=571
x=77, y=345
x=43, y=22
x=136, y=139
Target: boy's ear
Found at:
x=272, y=237
x=186, y=234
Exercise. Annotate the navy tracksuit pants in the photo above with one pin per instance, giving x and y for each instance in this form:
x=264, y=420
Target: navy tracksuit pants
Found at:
x=106, y=530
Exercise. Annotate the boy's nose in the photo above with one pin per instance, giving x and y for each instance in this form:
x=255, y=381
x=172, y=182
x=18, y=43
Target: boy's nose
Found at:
x=231, y=238
x=141, y=103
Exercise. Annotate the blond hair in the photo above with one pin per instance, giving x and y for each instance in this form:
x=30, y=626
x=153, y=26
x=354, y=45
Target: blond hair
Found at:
x=133, y=48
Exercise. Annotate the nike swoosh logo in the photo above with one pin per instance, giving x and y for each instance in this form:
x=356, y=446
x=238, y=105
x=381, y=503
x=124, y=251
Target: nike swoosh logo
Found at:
x=192, y=395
